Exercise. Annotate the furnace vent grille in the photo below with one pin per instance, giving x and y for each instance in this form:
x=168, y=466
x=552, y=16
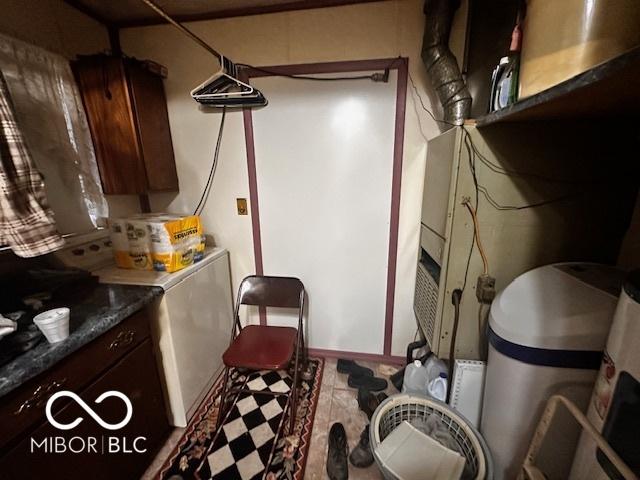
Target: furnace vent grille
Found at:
x=425, y=303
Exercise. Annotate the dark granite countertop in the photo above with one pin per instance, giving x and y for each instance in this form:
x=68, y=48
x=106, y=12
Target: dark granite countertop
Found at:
x=100, y=310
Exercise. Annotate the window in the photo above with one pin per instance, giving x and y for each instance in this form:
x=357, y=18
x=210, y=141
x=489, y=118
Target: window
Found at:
x=52, y=120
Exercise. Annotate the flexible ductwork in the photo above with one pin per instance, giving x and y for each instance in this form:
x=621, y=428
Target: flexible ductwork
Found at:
x=441, y=64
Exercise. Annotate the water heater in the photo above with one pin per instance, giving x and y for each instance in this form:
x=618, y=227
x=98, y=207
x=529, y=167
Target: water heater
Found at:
x=614, y=408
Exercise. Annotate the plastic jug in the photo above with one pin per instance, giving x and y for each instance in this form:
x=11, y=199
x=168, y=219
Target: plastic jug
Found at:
x=435, y=367
x=438, y=387
x=415, y=378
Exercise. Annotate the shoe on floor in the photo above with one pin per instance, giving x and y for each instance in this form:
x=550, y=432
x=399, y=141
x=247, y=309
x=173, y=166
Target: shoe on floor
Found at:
x=349, y=366
x=361, y=455
x=373, y=384
x=337, y=467
x=368, y=402
x=397, y=379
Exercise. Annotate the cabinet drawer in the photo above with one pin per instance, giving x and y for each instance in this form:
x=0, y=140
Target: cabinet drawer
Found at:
x=22, y=409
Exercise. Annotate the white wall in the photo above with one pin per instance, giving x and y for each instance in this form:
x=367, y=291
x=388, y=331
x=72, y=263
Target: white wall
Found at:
x=60, y=28
x=356, y=32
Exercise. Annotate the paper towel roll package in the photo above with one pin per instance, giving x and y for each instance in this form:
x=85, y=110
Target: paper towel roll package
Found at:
x=163, y=242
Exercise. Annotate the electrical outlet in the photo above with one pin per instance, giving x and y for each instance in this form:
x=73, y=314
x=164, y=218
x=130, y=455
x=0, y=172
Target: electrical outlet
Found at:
x=486, y=288
x=241, y=204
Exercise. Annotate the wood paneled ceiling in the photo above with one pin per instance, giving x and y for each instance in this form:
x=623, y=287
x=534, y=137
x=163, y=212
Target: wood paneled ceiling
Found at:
x=129, y=13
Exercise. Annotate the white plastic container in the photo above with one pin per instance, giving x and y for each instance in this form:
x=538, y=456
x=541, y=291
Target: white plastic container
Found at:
x=438, y=387
x=54, y=324
x=409, y=454
x=415, y=378
x=547, y=331
x=435, y=367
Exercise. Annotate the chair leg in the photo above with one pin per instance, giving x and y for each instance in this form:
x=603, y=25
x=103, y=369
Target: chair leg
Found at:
x=223, y=399
x=305, y=359
x=294, y=394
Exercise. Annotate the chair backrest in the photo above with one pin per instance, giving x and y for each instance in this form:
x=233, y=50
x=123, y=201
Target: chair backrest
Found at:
x=283, y=292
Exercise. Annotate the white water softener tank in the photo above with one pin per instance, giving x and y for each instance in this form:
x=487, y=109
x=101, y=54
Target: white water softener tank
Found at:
x=547, y=331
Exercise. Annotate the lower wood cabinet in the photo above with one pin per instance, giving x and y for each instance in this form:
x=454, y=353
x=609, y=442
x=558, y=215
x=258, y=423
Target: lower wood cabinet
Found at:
x=89, y=450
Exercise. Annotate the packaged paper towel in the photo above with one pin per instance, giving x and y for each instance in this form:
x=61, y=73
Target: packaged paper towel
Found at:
x=139, y=243
x=163, y=242
x=176, y=242
x=120, y=242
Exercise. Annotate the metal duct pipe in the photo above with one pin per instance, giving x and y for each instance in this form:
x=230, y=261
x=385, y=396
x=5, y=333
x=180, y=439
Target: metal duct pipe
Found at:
x=441, y=64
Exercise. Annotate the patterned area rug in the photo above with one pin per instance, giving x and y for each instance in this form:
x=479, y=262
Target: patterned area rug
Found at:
x=248, y=445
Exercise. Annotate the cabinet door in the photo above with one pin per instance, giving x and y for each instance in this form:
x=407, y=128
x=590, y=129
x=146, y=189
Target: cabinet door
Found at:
x=23, y=409
x=152, y=120
x=105, y=94
x=135, y=376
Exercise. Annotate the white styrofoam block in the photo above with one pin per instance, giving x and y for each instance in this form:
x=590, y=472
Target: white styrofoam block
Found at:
x=468, y=389
x=411, y=455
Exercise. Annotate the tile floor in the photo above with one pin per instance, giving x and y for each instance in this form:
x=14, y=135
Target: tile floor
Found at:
x=338, y=403
x=162, y=455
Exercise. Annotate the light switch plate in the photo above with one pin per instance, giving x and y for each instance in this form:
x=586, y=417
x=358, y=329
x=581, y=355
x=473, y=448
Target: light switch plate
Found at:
x=241, y=204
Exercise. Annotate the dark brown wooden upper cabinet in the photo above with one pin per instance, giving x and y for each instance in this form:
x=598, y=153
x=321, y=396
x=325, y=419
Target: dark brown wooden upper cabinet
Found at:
x=127, y=114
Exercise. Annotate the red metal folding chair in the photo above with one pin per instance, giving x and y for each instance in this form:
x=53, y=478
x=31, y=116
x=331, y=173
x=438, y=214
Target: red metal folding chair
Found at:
x=264, y=347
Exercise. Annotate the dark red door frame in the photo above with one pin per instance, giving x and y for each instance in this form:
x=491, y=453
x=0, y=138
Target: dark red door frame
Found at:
x=401, y=65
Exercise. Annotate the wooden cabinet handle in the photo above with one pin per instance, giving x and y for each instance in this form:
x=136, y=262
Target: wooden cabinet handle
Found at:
x=123, y=339
x=40, y=395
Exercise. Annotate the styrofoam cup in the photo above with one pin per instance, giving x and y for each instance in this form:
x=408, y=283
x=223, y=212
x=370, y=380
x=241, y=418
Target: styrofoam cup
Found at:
x=54, y=324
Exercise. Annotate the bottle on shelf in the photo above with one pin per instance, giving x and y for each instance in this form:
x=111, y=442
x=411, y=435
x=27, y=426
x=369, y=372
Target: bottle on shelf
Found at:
x=504, y=80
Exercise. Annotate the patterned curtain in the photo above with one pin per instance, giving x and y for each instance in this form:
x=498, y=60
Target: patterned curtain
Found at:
x=26, y=222
x=52, y=120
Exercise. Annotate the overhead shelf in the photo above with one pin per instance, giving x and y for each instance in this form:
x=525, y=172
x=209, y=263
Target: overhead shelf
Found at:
x=609, y=90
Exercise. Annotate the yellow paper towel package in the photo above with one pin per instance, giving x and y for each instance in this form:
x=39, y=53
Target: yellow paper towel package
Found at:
x=120, y=242
x=139, y=243
x=157, y=241
x=176, y=242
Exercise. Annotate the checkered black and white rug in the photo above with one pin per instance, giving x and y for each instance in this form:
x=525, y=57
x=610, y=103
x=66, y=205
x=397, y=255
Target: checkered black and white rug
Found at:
x=245, y=443
x=248, y=440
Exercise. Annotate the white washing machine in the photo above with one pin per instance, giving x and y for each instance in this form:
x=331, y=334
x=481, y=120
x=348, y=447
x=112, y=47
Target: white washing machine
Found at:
x=191, y=326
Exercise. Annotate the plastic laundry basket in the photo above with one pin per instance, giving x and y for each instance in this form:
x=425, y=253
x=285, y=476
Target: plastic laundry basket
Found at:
x=398, y=408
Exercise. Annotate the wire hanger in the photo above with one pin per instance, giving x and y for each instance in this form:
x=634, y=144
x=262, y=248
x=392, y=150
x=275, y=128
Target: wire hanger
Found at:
x=223, y=88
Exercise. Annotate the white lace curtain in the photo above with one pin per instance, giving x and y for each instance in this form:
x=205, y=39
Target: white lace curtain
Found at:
x=52, y=119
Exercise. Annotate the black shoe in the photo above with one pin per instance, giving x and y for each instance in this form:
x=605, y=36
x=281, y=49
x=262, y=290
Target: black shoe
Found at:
x=397, y=379
x=361, y=456
x=337, y=467
x=373, y=384
x=349, y=366
x=368, y=402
